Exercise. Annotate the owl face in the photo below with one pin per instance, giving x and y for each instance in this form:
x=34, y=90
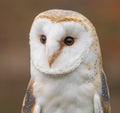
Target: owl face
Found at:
x=59, y=41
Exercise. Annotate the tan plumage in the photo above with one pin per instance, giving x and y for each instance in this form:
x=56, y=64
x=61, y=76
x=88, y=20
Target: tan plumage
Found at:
x=66, y=66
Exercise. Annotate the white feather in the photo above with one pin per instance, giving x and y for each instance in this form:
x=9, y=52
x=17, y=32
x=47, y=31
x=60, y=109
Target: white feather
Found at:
x=37, y=109
x=97, y=104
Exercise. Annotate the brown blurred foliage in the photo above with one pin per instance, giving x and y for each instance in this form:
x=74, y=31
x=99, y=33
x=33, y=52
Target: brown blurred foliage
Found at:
x=15, y=21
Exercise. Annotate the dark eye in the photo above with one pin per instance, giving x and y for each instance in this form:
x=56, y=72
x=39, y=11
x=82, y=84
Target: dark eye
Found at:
x=43, y=39
x=69, y=40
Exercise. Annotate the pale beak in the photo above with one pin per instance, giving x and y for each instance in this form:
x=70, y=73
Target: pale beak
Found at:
x=52, y=58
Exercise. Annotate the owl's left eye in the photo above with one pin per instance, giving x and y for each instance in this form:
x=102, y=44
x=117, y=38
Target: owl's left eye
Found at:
x=69, y=41
x=43, y=39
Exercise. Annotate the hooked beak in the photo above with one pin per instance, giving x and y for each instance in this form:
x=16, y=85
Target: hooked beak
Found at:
x=52, y=55
x=52, y=58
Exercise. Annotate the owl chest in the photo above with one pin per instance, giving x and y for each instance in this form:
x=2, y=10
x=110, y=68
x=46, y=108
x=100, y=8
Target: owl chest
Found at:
x=62, y=97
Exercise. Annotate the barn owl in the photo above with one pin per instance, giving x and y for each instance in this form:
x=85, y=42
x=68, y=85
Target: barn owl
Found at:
x=66, y=66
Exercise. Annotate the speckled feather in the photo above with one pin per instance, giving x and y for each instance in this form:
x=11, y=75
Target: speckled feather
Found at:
x=105, y=97
x=29, y=100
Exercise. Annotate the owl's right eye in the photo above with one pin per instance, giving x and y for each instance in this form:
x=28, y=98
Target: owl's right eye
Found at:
x=43, y=39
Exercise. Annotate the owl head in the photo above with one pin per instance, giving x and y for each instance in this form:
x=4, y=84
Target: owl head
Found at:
x=62, y=40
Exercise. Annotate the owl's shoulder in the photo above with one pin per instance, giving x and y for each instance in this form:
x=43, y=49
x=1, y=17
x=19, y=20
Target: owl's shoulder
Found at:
x=29, y=99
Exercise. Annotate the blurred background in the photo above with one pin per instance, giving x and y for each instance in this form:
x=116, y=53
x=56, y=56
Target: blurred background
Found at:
x=16, y=17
